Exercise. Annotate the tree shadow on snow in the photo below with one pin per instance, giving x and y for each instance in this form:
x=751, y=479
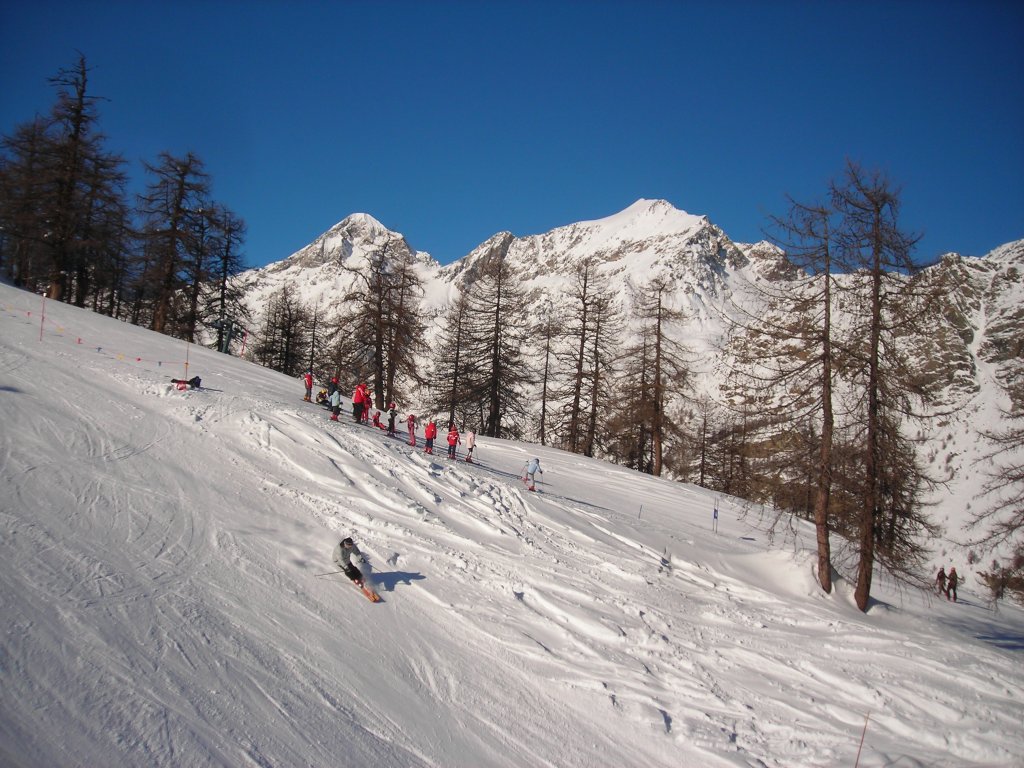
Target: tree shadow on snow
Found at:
x=998, y=636
x=388, y=580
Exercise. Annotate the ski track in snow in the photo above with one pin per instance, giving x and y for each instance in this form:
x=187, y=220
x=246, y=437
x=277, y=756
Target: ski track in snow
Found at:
x=162, y=608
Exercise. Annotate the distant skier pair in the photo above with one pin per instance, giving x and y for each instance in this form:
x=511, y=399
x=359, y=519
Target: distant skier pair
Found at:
x=947, y=584
x=454, y=440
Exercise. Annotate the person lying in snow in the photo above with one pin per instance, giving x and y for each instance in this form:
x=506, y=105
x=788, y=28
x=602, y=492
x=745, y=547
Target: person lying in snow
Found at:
x=192, y=383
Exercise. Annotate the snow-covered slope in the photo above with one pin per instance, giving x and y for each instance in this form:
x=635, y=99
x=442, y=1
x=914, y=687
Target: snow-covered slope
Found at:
x=974, y=352
x=162, y=606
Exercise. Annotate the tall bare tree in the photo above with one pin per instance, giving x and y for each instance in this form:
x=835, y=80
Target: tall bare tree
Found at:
x=282, y=342
x=177, y=190
x=893, y=305
x=586, y=357
x=659, y=366
x=62, y=203
x=379, y=332
x=492, y=347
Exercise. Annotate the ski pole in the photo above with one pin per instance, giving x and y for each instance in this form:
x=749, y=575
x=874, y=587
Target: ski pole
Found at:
x=328, y=573
x=862, y=735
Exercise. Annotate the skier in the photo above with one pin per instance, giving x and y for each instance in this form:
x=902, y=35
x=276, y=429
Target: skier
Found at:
x=359, y=402
x=392, y=413
x=470, y=445
x=530, y=469
x=429, y=433
x=307, y=379
x=411, y=422
x=343, y=557
x=376, y=420
x=453, y=439
x=940, y=580
x=321, y=398
x=335, y=401
x=193, y=383
x=951, y=583
x=332, y=386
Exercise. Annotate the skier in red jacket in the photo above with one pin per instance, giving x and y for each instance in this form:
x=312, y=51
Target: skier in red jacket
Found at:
x=359, y=402
x=429, y=433
x=453, y=439
x=307, y=379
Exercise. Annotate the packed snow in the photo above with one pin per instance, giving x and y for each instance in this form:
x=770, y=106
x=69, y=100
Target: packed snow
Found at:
x=163, y=601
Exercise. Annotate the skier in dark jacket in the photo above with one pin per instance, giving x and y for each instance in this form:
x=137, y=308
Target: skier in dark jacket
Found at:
x=343, y=558
x=951, y=582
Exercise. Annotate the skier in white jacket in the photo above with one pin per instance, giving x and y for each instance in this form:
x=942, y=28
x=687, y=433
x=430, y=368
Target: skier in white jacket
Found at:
x=530, y=469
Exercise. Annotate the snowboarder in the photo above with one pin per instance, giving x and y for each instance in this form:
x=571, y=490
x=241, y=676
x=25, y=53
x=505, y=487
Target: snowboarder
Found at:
x=951, y=583
x=940, y=580
x=429, y=433
x=470, y=445
x=530, y=470
x=335, y=404
x=343, y=557
x=453, y=439
x=307, y=379
x=411, y=422
x=392, y=413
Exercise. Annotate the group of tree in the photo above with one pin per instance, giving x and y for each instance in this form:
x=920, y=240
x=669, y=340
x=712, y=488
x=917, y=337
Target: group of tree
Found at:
x=582, y=389
x=69, y=230
x=374, y=332
x=1001, y=521
x=826, y=409
x=816, y=416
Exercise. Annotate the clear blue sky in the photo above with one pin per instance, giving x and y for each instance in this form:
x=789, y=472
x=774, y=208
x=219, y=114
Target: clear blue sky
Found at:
x=451, y=121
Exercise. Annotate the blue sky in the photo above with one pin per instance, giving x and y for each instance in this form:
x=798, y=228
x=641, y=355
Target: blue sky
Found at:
x=451, y=121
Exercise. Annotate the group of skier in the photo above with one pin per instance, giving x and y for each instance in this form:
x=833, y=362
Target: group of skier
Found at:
x=361, y=407
x=430, y=434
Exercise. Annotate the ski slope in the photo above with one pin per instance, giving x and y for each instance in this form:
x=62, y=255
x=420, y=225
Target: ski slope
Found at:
x=162, y=604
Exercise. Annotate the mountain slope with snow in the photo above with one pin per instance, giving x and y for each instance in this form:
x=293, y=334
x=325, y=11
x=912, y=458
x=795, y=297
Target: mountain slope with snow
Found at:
x=973, y=353
x=162, y=604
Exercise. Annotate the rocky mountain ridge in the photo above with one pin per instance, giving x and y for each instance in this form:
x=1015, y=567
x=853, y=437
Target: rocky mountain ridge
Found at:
x=982, y=320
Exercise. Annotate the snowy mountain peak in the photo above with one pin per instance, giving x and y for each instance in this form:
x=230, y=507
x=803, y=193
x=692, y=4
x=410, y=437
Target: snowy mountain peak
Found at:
x=646, y=218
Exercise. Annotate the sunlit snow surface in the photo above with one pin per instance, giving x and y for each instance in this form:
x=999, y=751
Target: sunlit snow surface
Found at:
x=161, y=605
